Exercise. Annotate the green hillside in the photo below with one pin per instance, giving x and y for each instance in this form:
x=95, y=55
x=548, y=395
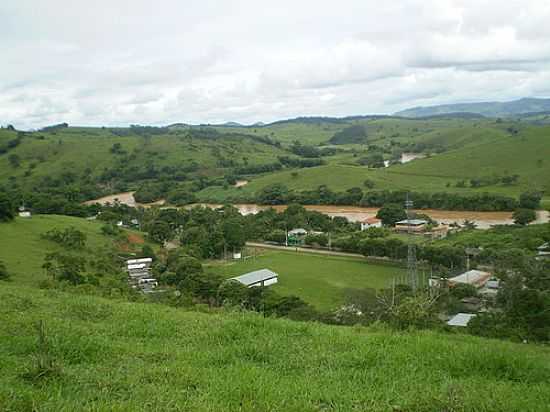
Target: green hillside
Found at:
x=83, y=163
x=474, y=153
x=99, y=354
x=23, y=250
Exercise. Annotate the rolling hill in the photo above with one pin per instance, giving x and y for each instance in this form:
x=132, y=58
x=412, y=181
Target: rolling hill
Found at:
x=489, y=109
x=484, y=153
x=62, y=351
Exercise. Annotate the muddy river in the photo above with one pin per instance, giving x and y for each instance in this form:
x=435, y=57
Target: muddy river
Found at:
x=483, y=220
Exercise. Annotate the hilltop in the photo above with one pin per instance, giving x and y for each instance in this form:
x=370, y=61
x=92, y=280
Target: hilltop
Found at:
x=489, y=109
x=98, y=354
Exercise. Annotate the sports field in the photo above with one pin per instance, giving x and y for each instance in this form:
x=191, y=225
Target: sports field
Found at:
x=320, y=280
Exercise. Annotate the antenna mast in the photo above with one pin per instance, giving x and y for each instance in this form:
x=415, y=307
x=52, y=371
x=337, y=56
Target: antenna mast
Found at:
x=411, y=255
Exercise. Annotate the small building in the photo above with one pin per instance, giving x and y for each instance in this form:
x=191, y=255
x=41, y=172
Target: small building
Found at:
x=472, y=277
x=262, y=277
x=23, y=212
x=493, y=283
x=145, y=261
x=371, y=222
x=543, y=251
x=413, y=225
x=297, y=232
x=461, y=319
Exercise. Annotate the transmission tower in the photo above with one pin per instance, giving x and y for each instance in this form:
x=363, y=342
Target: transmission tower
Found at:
x=411, y=255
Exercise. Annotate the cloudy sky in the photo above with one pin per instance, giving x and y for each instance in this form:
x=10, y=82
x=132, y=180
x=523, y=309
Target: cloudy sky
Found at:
x=116, y=62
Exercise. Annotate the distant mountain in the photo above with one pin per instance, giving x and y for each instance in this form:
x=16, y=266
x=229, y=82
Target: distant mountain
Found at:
x=231, y=124
x=489, y=109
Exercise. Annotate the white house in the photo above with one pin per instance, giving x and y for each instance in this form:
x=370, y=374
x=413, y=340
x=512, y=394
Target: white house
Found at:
x=370, y=222
x=262, y=277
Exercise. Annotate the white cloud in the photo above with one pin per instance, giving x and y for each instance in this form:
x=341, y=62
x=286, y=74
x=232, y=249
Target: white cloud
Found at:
x=120, y=62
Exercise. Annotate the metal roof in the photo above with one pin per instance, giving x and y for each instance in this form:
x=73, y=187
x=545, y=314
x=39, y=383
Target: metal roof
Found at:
x=298, y=231
x=461, y=319
x=412, y=222
x=141, y=260
x=255, y=277
x=472, y=277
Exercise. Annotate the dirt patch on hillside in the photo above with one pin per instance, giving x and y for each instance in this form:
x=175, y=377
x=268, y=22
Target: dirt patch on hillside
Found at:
x=135, y=239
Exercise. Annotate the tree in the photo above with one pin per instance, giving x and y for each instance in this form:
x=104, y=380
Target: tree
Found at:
x=160, y=231
x=232, y=293
x=15, y=160
x=369, y=184
x=530, y=200
x=147, y=252
x=524, y=216
x=390, y=214
x=7, y=210
x=273, y=194
x=65, y=267
x=234, y=234
x=185, y=266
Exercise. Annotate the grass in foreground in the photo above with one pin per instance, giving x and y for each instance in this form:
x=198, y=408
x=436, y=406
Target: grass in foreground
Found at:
x=320, y=280
x=106, y=355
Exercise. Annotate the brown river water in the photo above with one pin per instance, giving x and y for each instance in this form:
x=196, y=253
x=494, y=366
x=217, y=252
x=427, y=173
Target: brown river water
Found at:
x=483, y=220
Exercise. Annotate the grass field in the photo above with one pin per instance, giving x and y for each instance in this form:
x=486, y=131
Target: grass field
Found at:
x=23, y=251
x=107, y=355
x=320, y=280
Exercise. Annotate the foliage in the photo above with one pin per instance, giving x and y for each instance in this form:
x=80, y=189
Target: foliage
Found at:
x=69, y=237
x=530, y=200
x=351, y=134
x=524, y=216
x=4, y=274
x=7, y=210
x=65, y=267
x=391, y=213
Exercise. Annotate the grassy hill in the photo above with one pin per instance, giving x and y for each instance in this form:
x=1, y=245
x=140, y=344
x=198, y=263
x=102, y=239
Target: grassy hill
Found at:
x=23, y=250
x=102, y=354
x=111, y=160
x=471, y=153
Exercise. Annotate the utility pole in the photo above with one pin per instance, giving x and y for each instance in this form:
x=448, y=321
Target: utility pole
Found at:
x=411, y=252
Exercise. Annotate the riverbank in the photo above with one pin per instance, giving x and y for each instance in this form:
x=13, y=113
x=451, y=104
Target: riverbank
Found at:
x=483, y=220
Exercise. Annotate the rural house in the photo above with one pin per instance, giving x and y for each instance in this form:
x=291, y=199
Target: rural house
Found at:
x=371, y=222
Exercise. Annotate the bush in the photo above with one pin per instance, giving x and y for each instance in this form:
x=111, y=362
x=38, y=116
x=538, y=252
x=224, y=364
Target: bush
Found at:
x=4, y=275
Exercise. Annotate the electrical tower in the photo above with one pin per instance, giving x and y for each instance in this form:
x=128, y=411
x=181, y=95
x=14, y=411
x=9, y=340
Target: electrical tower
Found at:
x=411, y=255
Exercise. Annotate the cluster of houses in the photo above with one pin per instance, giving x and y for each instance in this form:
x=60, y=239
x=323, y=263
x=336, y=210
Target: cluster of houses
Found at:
x=139, y=274
x=485, y=283
x=414, y=226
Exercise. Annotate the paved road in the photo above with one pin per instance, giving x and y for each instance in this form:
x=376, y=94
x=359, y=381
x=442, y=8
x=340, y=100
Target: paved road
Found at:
x=304, y=249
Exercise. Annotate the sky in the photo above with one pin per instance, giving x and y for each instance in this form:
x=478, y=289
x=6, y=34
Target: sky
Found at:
x=119, y=62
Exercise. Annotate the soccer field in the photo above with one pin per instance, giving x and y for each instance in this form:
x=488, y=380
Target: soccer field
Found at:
x=320, y=280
